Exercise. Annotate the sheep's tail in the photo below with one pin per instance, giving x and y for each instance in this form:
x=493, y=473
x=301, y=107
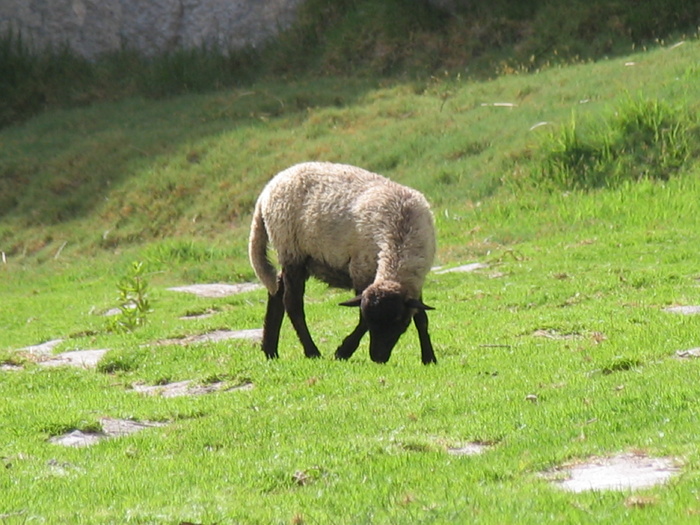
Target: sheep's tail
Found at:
x=257, y=252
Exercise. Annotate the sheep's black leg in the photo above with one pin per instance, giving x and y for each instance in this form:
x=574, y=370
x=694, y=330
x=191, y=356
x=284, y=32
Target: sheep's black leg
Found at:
x=426, y=347
x=294, y=285
x=352, y=341
x=273, y=321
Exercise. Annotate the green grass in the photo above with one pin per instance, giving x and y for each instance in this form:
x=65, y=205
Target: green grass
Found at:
x=170, y=184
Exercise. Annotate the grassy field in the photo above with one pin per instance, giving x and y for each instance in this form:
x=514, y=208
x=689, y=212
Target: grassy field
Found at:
x=576, y=187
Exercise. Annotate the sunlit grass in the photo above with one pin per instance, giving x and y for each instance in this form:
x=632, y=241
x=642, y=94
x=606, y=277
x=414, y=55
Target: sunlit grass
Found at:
x=557, y=350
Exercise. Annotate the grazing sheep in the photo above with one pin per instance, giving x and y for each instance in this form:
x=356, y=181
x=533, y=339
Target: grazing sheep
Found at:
x=351, y=229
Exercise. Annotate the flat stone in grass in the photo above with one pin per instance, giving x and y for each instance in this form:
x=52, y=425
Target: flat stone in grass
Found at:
x=684, y=310
x=688, y=354
x=252, y=334
x=78, y=358
x=78, y=439
x=620, y=472
x=43, y=348
x=124, y=427
x=465, y=268
x=216, y=290
x=111, y=428
x=470, y=449
x=42, y=354
x=188, y=388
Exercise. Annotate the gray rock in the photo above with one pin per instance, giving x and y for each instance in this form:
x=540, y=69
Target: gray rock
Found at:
x=620, y=472
x=216, y=290
x=77, y=358
x=111, y=428
x=94, y=27
x=683, y=310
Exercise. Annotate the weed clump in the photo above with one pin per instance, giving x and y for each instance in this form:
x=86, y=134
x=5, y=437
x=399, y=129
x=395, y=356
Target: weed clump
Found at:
x=122, y=361
x=643, y=139
x=133, y=301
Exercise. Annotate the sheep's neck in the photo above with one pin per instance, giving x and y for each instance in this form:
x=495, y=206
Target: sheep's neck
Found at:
x=394, y=266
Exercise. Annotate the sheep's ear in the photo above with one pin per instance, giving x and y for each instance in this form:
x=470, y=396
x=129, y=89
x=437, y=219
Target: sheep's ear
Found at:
x=355, y=301
x=418, y=304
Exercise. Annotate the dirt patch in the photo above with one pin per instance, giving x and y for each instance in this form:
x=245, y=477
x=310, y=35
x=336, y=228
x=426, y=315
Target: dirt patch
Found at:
x=620, y=472
x=111, y=428
x=553, y=334
x=216, y=290
x=684, y=310
x=62, y=468
x=253, y=334
x=188, y=388
x=209, y=312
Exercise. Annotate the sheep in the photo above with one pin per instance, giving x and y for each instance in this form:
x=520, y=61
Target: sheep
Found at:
x=351, y=229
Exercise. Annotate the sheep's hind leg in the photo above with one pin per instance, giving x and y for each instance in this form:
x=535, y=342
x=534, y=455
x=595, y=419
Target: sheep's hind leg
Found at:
x=273, y=321
x=352, y=341
x=426, y=347
x=294, y=285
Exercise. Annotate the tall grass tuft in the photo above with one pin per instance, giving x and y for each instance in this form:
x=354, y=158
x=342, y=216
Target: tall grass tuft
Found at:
x=196, y=70
x=32, y=80
x=643, y=139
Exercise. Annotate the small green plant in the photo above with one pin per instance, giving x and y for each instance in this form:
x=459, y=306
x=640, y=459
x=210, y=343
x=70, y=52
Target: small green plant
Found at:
x=133, y=300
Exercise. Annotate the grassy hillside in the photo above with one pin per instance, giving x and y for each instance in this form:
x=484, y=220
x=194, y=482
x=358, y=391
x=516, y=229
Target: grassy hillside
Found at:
x=576, y=187
x=119, y=174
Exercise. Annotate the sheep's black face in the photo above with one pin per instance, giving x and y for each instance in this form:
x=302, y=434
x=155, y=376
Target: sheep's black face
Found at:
x=387, y=317
x=387, y=314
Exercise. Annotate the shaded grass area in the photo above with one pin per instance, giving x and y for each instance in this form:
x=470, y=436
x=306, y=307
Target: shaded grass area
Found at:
x=391, y=39
x=71, y=167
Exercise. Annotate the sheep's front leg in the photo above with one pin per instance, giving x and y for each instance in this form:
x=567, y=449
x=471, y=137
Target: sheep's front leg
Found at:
x=426, y=347
x=273, y=321
x=352, y=341
x=294, y=286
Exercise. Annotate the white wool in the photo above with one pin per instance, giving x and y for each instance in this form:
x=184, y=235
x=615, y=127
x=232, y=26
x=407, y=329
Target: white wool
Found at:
x=343, y=220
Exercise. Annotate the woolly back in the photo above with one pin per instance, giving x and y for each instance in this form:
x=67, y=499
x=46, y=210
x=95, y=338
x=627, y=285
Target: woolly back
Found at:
x=349, y=219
